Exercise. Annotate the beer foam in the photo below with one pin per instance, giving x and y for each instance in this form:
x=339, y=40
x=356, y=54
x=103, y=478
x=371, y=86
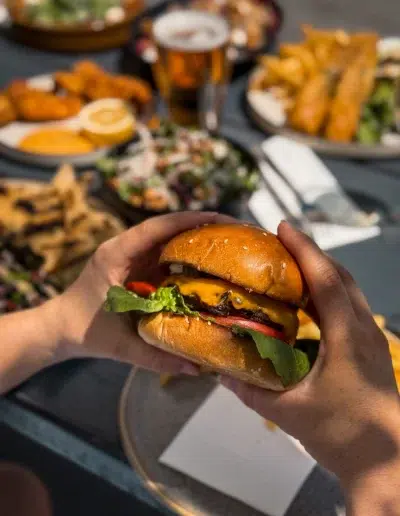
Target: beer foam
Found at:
x=190, y=31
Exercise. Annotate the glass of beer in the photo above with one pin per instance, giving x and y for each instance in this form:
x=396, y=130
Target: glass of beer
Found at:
x=192, y=69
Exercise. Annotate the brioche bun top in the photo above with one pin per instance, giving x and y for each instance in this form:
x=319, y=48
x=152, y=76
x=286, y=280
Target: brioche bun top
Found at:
x=245, y=255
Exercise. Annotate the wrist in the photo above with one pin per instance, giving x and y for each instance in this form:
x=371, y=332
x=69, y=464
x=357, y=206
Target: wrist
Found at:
x=375, y=488
x=32, y=341
x=61, y=347
x=377, y=493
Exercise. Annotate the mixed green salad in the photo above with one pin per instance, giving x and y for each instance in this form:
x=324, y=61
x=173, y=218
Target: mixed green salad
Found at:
x=178, y=168
x=50, y=12
x=378, y=115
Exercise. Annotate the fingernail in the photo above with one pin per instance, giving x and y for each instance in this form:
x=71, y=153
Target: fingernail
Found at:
x=190, y=369
x=285, y=223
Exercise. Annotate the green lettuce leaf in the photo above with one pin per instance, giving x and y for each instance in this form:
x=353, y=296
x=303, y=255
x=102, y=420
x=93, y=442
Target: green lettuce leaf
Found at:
x=291, y=364
x=166, y=299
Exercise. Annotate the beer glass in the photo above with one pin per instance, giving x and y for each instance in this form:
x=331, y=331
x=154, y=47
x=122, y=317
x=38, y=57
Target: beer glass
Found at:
x=192, y=69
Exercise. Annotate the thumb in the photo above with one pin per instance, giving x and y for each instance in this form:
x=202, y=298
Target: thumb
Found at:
x=273, y=405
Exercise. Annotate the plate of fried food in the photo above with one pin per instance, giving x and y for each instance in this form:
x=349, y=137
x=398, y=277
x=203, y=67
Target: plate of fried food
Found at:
x=71, y=115
x=57, y=224
x=71, y=25
x=332, y=91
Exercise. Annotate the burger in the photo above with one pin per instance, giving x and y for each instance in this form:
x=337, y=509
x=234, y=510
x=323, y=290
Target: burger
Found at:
x=229, y=302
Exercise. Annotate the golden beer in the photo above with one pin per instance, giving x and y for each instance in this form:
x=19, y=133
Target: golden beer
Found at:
x=192, y=69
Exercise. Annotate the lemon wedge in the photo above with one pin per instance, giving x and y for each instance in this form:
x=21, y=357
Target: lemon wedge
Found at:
x=107, y=122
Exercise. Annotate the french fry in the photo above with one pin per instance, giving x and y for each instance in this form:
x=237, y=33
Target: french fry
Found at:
x=394, y=348
x=165, y=379
x=380, y=321
x=303, y=54
x=270, y=425
x=289, y=70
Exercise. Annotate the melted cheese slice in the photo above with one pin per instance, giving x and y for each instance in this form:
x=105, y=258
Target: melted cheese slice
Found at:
x=212, y=291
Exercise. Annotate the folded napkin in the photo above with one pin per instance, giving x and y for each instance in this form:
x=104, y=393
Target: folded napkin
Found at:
x=311, y=180
x=228, y=447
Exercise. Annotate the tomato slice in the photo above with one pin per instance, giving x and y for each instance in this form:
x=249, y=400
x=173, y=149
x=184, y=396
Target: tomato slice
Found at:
x=232, y=320
x=141, y=288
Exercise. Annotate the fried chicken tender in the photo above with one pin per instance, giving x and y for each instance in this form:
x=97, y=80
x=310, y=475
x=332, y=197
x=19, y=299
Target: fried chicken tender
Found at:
x=303, y=54
x=99, y=88
x=7, y=111
x=132, y=88
x=37, y=106
x=71, y=82
x=17, y=88
x=288, y=70
x=118, y=86
x=88, y=70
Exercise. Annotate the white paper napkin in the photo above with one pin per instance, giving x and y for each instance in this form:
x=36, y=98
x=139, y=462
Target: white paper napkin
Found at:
x=301, y=166
x=227, y=446
x=311, y=178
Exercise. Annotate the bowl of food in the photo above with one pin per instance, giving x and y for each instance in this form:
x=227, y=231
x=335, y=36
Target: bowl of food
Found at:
x=73, y=26
x=174, y=168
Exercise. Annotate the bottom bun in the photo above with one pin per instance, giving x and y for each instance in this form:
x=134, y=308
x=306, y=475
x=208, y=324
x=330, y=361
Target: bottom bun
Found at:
x=210, y=345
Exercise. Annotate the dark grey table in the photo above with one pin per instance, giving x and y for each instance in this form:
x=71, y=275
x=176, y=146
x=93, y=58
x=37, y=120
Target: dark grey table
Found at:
x=82, y=397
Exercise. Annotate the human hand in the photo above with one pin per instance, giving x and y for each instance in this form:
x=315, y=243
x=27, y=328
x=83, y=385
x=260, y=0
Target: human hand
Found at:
x=87, y=330
x=346, y=412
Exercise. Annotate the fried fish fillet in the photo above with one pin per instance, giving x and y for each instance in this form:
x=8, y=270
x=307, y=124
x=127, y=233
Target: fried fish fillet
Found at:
x=354, y=88
x=312, y=104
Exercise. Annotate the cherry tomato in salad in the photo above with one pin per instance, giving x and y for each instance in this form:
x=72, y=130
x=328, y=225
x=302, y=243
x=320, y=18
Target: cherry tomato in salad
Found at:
x=141, y=288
